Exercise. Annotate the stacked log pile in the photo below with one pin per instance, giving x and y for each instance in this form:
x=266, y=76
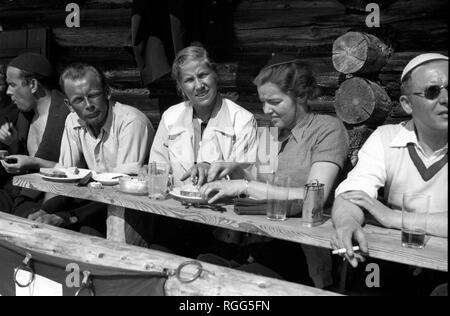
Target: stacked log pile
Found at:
x=305, y=28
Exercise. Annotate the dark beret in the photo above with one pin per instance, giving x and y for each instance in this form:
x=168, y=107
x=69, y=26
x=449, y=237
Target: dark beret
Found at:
x=33, y=63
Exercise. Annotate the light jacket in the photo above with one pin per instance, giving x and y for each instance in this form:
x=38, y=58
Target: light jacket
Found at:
x=231, y=135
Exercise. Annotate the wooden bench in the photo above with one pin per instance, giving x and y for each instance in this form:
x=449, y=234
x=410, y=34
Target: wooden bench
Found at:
x=68, y=245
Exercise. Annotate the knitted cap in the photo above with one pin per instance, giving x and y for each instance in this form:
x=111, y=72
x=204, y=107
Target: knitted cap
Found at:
x=33, y=63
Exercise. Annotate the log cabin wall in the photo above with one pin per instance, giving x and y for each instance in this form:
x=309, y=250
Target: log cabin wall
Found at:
x=261, y=27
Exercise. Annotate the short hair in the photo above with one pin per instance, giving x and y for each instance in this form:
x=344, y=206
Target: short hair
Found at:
x=77, y=71
x=188, y=54
x=404, y=85
x=295, y=79
x=48, y=83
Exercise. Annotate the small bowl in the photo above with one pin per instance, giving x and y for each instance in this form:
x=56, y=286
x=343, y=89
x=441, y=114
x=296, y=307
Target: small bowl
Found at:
x=133, y=185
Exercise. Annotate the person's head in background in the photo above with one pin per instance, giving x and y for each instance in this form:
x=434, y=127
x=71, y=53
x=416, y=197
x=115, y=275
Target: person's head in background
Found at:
x=196, y=78
x=284, y=86
x=3, y=86
x=87, y=93
x=30, y=78
x=424, y=92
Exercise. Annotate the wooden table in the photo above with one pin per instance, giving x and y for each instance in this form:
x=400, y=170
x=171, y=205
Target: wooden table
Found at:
x=383, y=243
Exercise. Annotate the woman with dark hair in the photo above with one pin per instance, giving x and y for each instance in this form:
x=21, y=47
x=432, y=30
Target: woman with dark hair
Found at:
x=311, y=147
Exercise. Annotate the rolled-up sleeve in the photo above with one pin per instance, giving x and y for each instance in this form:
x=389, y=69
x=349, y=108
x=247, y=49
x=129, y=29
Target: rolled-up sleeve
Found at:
x=369, y=174
x=135, y=141
x=332, y=144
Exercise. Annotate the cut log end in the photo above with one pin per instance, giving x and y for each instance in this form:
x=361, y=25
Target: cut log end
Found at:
x=356, y=52
x=359, y=100
x=350, y=52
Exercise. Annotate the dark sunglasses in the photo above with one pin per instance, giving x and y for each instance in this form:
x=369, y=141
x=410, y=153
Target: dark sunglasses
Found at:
x=432, y=92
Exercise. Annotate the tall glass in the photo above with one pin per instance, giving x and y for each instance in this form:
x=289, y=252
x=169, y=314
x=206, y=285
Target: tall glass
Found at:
x=415, y=210
x=158, y=180
x=277, y=208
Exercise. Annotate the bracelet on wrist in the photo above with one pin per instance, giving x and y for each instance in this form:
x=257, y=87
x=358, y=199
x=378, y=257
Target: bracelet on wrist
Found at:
x=246, y=186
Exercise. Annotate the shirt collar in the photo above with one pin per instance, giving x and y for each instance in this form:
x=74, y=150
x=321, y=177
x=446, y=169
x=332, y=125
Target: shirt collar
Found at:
x=220, y=120
x=408, y=135
x=297, y=131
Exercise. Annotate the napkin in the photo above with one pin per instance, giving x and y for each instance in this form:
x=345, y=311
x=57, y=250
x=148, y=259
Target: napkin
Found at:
x=246, y=206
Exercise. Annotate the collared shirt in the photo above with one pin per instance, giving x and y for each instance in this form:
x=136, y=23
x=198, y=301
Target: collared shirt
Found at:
x=316, y=138
x=122, y=146
x=384, y=161
x=231, y=135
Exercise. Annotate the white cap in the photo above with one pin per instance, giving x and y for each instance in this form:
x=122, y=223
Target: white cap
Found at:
x=419, y=60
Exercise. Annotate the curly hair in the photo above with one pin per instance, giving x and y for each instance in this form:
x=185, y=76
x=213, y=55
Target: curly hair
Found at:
x=295, y=79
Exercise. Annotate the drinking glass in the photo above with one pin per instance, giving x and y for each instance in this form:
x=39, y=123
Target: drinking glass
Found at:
x=277, y=208
x=415, y=208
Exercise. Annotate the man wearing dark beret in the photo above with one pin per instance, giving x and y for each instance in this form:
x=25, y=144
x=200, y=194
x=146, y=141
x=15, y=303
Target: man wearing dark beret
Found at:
x=34, y=139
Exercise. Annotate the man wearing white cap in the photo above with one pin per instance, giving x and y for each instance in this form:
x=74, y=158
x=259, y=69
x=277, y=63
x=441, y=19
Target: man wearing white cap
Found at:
x=410, y=157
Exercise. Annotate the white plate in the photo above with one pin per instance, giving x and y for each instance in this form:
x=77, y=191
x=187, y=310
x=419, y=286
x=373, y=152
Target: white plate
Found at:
x=71, y=176
x=107, y=178
x=189, y=199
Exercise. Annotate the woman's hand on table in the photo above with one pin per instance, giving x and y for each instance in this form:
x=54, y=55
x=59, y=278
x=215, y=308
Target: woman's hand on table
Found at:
x=224, y=188
x=221, y=169
x=198, y=173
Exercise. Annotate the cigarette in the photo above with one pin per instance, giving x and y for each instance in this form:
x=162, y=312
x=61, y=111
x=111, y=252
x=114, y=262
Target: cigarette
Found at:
x=343, y=250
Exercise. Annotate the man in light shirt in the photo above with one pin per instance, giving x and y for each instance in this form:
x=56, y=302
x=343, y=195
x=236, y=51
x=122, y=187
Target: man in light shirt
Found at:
x=100, y=135
x=410, y=157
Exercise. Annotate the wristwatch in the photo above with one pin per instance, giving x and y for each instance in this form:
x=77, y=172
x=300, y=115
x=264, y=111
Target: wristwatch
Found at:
x=73, y=219
x=69, y=218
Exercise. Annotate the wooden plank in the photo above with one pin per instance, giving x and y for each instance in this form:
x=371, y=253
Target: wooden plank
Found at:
x=383, y=243
x=68, y=245
x=92, y=36
x=116, y=224
x=39, y=4
x=56, y=17
x=272, y=14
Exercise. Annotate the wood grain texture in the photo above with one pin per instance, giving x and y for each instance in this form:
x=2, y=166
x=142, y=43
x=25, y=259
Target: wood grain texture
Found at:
x=360, y=100
x=68, y=245
x=359, y=53
x=115, y=224
x=383, y=243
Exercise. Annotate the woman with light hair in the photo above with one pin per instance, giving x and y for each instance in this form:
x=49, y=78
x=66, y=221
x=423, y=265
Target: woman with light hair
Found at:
x=205, y=127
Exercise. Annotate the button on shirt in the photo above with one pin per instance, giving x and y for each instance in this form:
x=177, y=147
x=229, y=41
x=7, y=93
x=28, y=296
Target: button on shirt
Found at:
x=123, y=144
x=384, y=161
